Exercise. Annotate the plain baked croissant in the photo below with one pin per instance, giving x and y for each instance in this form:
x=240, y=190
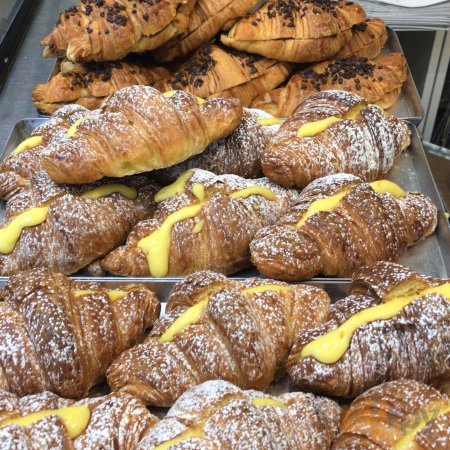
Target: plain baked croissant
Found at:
x=60, y=335
x=378, y=81
x=203, y=221
x=89, y=84
x=207, y=18
x=217, y=414
x=64, y=228
x=138, y=129
x=394, y=324
x=340, y=223
x=297, y=31
x=218, y=328
x=108, y=30
x=395, y=414
x=214, y=71
x=46, y=421
x=334, y=132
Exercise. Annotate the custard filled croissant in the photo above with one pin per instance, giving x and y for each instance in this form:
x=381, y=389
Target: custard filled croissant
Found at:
x=46, y=421
x=203, y=221
x=215, y=328
x=340, y=223
x=334, y=132
x=138, y=129
x=108, y=30
x=296, y=30
x=217, y=414
x=394, y=324
x=378, y=81
x=61, y=335
x=399, y=414
x=65, y=229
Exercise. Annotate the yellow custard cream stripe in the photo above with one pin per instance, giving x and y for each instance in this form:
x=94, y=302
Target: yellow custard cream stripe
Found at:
x=73, y=128
x=74, y=418
x=328, y=204
x=112, y=294
x=31, y=142
x=178, y=187
x=198, y=226
x=330, y=347
x=108, y=189
x=254, y=190
x=168, y=94
x=425, y=417
x=265, y=288
x=199, y=191
x=269, y=121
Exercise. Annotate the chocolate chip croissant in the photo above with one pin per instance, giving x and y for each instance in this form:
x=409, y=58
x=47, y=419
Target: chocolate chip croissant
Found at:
x=334, y=132
x=46, y=421
x=339, y=224
x=203, y=221
x=64, y=228
x=400, y=414
x=61, y=335
x=136, y=130
x=394, y=324
x=110, y=29
x=217, y=414
x=215, y=328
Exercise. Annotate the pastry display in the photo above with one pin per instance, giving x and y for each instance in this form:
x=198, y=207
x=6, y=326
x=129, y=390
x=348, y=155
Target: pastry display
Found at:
x=217, y=414
x=340, y=223
x=207, y=19
x=136, y=130
x=46, y=421
x=378, y=81
x=215, y=328
x=108, y=30
x=65, y=229
x=214, y=71
x=394, y=324
x=89, y=84
x=297, y=31
x=203, y=221
x=399, y=414
x=334, y=132
x=60, y=335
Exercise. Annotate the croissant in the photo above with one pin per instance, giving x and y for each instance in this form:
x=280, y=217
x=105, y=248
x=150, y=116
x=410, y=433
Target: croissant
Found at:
x=378, y=81
x=61, y=335
x=215, y=328
x=398, y=414
x=46, y=421
x=203, y=221
x=393, y=325
x=340, y=223
x=296, y=30
x=217, y=72
x=89, y=84
x=137, y=130
x=207, y=18
x=334, y=132
x=25, y=161
x=217, y=414
x=64, y=229
x=368, y=39
x=108, y=30
x=239, y=153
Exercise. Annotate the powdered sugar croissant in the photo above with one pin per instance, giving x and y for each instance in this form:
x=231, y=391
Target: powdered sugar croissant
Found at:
x=334, y=132
x=340, y=223
x=393, y=325
x=215, y=328
x=61, y=335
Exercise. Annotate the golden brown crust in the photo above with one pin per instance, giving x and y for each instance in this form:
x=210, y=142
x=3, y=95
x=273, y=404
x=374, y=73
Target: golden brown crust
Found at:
x=295, y=30
x=367, y=145
x=109, y=30
x=378, y=81
x=241, y=338
x=413, y=344
x=381, y=416
x=54, y=339
x=127, y=136
x=364, y=228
